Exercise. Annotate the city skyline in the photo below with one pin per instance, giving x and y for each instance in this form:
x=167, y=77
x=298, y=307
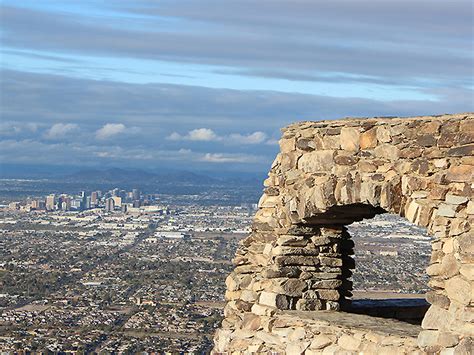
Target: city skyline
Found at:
x=207, y=85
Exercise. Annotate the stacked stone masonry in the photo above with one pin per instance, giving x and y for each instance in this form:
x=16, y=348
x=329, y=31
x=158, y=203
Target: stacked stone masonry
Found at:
x=327, y=175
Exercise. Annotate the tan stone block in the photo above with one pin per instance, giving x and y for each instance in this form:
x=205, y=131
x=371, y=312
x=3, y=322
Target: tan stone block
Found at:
x=348, y=342
x=292, y=240
x=297, y=334
x=459, y=290
x=438, y=299
x=436, y=318
x=467, y=270
x=411, y=152
x=331, y=142
x=455, y=199
x=321, y=341
x=434, y=269
x=368, y=139
x=447, y=339
x=437, y=192
x=294, y=287
x=232, y=282
x=448, y=246
x=467, y=125
x=297, y=347
x=411, y=211
x=449, y=266
x=330, y=295
x=459, y=226
x=288, y=161
x=383, y=134
x=326, y=284
x=281, y=332
x=268, y=201
x=465, y=243
x=287, y=145
x=428, y=340
x=232, y=295
x=468, y=160
x=460, y=173
x=440, y=163
x=317, y=161
x=262, y=310
x=349, y=139
x=268, y=338
x=445, y=210
x=248, y=296
x=366, y=166
x=327, y=261
x=387, y=151
x=431, y=127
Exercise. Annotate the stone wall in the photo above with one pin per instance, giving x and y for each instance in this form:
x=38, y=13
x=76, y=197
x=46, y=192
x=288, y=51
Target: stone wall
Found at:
x=329, y=174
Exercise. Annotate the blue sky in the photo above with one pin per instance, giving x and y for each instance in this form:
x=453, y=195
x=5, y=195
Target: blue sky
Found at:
x=208, y=84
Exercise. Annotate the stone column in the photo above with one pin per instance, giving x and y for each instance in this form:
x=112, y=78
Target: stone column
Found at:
x=305, y=269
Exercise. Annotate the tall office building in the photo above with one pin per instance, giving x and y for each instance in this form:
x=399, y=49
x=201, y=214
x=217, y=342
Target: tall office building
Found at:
x=135, y=194
x=83, y=200
x=88, y=203
x=109, y=205
x=50, y=202
x=94, y=199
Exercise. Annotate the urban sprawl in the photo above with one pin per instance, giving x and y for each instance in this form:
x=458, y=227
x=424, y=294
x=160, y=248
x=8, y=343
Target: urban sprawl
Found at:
x=125, y=271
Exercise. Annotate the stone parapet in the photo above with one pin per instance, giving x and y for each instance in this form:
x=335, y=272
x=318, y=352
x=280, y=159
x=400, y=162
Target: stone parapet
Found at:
x=329, y=174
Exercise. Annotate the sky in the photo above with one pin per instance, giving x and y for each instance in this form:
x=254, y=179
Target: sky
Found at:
x=207, y=84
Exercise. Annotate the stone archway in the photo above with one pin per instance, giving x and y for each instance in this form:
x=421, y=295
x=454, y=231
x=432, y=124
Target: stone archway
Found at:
x=329, y=174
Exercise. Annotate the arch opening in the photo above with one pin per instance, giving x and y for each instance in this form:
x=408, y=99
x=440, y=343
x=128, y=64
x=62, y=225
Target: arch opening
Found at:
x=390, y=279
x=330, y=284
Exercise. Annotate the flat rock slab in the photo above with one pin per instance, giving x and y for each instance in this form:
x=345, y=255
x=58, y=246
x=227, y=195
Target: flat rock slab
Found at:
x=360, y=322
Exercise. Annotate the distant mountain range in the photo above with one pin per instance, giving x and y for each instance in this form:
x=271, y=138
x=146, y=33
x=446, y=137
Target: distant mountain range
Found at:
x=120, y=176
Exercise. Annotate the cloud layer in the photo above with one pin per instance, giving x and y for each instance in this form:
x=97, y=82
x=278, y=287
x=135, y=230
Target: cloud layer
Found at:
x=202, y=83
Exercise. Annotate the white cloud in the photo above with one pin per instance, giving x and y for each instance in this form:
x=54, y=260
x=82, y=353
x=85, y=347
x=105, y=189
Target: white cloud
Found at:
x=199, y=134
x=109, y=130
x=208, y=135
x=203, y=134
x=253, y=138
x=60, y=129
x=228, y=158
